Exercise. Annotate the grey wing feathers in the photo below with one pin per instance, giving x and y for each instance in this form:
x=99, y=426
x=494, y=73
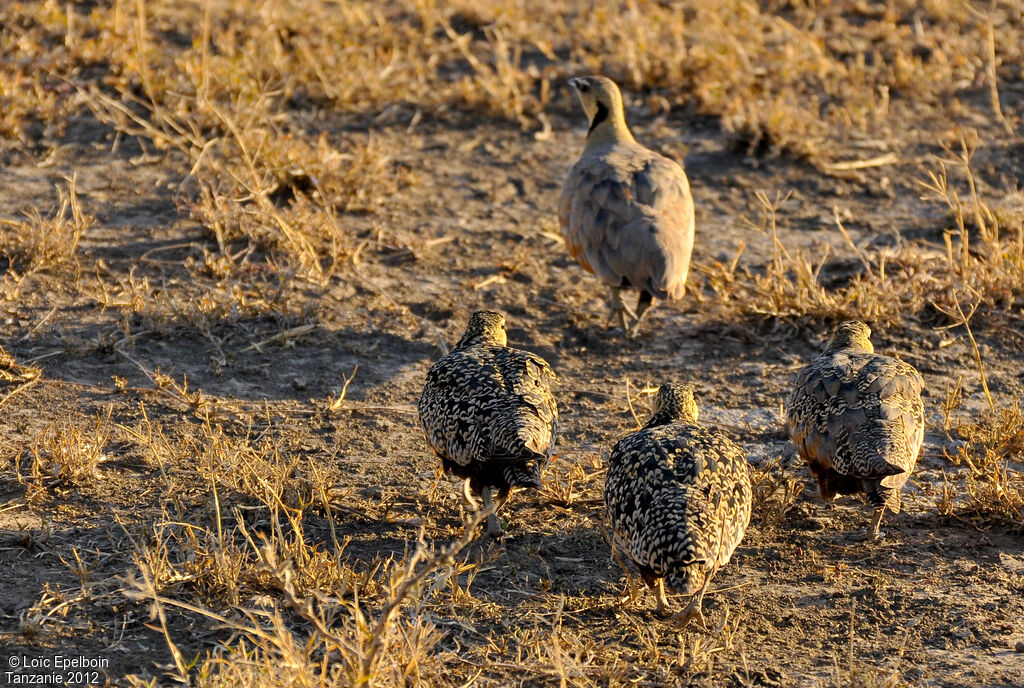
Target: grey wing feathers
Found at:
x=528, y=379
x=627, y=214
x=489, y=403
x=860, y=414
x=678, y=497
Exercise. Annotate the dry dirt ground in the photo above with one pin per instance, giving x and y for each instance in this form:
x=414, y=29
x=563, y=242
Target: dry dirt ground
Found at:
x=938, y=602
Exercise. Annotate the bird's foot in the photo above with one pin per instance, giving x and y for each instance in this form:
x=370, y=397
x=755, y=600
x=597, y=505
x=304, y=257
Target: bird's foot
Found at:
x=868, y=536
x=618, y=310
x=692, y=611
x=622, y=316
x=494, y=530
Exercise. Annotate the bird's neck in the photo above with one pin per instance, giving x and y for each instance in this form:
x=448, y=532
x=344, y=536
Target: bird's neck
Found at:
x=664, y=417
x=476, y=338
x=607, y=128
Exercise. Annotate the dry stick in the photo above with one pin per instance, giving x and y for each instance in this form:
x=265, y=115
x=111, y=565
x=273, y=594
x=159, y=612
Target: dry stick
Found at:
x=631, y=581
x=993, y=83
x=630, y=402
x=852, y=165
x=964, y=320
x=846, y=235
x=853, y=612
x=335, y=404
x=20, y=388
x=282, y=336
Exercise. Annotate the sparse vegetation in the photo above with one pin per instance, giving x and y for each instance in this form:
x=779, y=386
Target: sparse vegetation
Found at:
x=992, y=452
x=255, y=201
x=40, y=243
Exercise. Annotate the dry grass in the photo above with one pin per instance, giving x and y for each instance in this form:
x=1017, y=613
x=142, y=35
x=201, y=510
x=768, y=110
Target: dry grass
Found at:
x=774, y=492
x=980, y=270
x=286, y=125
x=991, y=451
x=67, y=455
x=240, y=99
x=40, y=243
x=15, y=377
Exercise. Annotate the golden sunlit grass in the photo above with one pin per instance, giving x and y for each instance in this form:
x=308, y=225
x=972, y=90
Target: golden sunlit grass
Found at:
x=992, y=453
x=239, y=98
x=980, y=268
x=287, y=124
x=774, y=492
x=15, y=377
x=68, y=454
x=44, y=242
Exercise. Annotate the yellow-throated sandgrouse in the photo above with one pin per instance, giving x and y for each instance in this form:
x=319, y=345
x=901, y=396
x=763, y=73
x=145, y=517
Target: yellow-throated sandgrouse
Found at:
x=626, y=211
x=679, y=497
x=857, y=418
x=488, y=412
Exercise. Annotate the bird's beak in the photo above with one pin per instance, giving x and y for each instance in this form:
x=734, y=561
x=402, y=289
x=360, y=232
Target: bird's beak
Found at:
x=575, y=83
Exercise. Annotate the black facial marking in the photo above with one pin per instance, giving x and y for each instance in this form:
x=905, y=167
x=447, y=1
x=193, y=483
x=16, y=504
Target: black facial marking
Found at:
x=600, y=116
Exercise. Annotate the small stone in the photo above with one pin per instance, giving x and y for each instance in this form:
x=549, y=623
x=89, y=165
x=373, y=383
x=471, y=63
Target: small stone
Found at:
x=299, y=383
x=1019, y=647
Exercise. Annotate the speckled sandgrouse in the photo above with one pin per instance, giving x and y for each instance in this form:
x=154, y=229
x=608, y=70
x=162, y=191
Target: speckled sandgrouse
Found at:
x=626, y=212
x=488, y=412
x=857, y=418
x=679, y=497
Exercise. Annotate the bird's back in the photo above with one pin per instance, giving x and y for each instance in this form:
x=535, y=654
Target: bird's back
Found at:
x=627, y=216
x=489, y=404
x=679, y=500
x=859, y=414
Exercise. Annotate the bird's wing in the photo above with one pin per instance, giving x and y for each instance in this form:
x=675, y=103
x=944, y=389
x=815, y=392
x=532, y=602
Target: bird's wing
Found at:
x=849, y=412
x=678, y=496
x=529, y=414
x=627, y=215
x=823, y=410
x=894, y=389
x=462, y=392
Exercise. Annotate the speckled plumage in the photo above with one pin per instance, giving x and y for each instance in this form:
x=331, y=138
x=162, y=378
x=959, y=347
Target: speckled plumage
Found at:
x=678, y=496
x=488, y=411
x=626, y=212
x=858, y=419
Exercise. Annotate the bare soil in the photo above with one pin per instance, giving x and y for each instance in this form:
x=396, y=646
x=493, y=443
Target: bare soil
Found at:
x=939, y=601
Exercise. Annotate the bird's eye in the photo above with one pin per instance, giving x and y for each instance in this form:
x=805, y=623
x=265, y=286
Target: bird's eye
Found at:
x=584, y=88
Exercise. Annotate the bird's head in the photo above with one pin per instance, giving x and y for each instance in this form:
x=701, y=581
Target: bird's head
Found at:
x=674, y=403
x=851, y=334
x=602, y=102
x=484, y=327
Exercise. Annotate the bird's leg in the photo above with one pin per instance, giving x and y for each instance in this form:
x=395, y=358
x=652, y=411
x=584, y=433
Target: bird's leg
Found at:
x=619, y=309
x=643, y=304
x=493, y=527
x=466, y=497
x=659, y=593
x=468, y=503
x=871, y=533
x=876, y=523
x=694, y=609
x=502, y=498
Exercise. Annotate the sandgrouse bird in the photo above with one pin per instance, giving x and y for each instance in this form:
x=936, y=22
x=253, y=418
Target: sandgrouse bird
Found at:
x=678, y=496
x=488, y=412
x=626, y=212
x=857, y=418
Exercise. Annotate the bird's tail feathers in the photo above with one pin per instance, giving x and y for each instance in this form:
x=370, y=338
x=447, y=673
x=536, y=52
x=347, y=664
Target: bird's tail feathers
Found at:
x=884, y=453
x=523, y=473
x=687, y=579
